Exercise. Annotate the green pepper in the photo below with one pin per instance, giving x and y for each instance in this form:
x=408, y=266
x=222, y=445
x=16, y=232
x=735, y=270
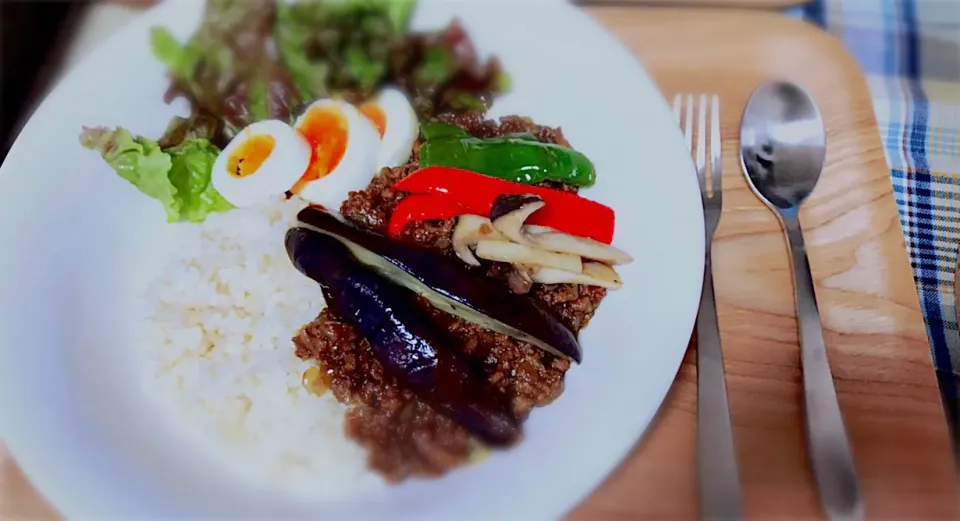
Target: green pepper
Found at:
x=516, y=158
x=526, y=136
x=437, y=130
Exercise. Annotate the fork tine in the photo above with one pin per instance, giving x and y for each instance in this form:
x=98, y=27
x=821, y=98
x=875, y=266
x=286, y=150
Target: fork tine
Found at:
x=684, y=114
x=702, y=141
x=700, y=149
x=716, y=145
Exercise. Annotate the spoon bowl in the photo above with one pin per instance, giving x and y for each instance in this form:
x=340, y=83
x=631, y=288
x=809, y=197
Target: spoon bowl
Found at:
x=782, y=144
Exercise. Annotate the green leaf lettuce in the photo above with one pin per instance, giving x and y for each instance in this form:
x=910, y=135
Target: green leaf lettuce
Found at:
x=179, y=58
x=333, y=46
x=190, y=173
x=179, y=178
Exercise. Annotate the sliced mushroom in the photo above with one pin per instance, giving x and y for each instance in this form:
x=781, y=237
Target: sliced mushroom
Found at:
x=548, y=239
x=471, y=229
x=502, y=251
x=536, y=228
x=510, y=203
x=511, y=211
x=593, y=274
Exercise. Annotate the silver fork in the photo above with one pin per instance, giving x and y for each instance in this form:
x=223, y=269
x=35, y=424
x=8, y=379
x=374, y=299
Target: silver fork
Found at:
x=718, y=475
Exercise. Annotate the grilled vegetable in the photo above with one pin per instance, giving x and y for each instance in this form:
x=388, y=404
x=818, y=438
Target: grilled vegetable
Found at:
x=514, y=158
x=419, y=207
x=403, y=340
x=502, y=251
x=450, y=286
x=565, y=212
x=552, y=240
x=593, y=274
x=438, y=130
x=470, y=230
x=510, y=212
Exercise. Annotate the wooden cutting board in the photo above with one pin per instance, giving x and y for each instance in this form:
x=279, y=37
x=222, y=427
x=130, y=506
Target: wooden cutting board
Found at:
x=874, y=331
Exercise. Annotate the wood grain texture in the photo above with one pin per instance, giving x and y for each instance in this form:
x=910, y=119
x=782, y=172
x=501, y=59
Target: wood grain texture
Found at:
x=874, y=330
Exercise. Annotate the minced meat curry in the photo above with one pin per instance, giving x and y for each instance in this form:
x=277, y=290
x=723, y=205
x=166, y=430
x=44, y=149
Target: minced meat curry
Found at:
x=405, y=437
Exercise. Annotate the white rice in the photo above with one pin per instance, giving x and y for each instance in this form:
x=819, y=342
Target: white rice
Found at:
x=224, y=309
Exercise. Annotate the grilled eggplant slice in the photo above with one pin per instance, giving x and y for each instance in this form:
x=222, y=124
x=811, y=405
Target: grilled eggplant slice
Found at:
x=449, y=285
x=403, y=340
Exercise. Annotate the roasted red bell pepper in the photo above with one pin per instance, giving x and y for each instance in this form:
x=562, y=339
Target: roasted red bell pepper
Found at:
x=422, y=207
x=564, y=211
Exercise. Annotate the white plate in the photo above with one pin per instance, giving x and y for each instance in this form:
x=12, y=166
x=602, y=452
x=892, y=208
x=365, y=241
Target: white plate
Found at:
x=74, y=239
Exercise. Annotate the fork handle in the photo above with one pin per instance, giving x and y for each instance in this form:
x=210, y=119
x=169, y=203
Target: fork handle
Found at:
x=827, y=439
x=718, y=475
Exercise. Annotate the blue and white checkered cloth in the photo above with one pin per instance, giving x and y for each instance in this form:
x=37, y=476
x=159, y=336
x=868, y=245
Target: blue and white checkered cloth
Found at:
x=910, y=52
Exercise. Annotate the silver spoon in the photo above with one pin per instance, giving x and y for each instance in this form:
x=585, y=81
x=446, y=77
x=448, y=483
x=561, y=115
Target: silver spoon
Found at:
x=782, y=150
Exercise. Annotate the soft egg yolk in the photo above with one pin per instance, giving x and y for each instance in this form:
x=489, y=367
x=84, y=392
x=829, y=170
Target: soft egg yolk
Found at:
x=376, y=115
x=327, y=131
x=250, y=155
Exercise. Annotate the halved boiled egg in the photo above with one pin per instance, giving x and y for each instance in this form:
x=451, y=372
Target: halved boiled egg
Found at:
x=344, y=145
x=396, y=123
x=263, y=160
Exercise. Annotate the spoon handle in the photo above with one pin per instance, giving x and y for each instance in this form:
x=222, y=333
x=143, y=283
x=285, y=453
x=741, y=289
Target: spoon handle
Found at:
x=827, y=439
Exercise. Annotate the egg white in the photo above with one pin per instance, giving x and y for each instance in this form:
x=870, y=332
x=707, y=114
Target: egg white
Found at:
x=358, y=164
x=401, y=131
x=285, y=164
